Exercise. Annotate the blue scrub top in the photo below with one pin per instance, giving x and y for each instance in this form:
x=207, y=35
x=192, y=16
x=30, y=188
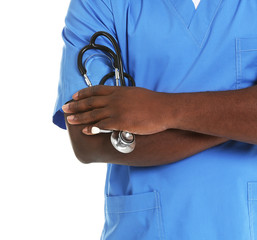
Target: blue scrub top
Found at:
x=168, y=46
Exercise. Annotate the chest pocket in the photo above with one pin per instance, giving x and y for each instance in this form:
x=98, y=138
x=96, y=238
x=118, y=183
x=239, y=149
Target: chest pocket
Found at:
x=246, y=62
x=133, y=217
x=252, y=208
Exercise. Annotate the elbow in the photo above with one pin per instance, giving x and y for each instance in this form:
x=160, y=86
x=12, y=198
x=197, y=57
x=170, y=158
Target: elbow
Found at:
x=88, y=150
x=83, y=159
x=82, y=156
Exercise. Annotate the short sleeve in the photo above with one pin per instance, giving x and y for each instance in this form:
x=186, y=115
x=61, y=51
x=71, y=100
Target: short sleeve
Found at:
x=84, y=18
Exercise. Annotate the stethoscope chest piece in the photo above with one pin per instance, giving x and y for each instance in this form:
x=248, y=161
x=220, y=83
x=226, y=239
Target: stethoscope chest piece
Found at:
x=123, y=141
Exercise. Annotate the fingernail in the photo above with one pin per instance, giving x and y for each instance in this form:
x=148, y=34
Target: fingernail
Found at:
x=95, y=130
x=85, y=130
x=65, y=107
x=70, y=118
x=75, y=96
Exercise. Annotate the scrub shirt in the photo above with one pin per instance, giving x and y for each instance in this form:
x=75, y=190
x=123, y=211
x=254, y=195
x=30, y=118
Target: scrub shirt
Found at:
x=169, y=46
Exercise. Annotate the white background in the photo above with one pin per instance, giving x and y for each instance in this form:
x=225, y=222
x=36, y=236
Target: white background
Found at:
x=45, y=192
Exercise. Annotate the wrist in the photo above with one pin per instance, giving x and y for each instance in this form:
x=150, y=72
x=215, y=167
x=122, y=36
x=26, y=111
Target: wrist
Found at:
x=171, y=110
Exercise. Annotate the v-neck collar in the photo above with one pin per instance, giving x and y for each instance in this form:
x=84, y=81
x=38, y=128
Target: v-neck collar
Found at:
x=185, y=8
x=198, y=21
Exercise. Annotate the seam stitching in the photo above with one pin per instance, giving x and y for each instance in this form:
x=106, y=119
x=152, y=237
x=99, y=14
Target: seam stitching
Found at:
x=248, y=50
x=140, y=210
x=158, y=217
x=183, y=22
x=208, y=28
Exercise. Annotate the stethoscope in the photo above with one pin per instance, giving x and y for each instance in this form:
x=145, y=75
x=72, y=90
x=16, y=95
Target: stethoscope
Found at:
x=122, y=141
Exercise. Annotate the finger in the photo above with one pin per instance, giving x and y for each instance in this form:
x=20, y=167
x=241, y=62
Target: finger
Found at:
x=101, y=127
x=85, y=104
x=93, y=130
x=97, y=90
x=88, y=117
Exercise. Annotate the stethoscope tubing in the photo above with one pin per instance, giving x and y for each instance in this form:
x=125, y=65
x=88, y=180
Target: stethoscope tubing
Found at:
x=117, y=57
x=116, y=48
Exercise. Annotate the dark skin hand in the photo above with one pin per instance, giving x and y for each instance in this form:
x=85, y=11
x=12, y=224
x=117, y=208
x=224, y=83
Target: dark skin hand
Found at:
x=141, y=112
x=229, y=114
x=104, y=107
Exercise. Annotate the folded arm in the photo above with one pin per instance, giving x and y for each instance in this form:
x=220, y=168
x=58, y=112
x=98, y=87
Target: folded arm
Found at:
x=155, y=149
x=202, y=120
x=230, y=114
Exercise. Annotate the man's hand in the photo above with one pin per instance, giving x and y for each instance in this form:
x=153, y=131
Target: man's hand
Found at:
x=136, y=110
x=132, y=109
x=227, y=114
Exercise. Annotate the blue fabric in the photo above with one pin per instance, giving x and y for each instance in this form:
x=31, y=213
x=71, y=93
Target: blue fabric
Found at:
x=167, y=46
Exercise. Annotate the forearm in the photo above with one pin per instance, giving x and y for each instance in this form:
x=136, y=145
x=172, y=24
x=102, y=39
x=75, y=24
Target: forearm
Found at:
x=156, y=149
x=229, y=114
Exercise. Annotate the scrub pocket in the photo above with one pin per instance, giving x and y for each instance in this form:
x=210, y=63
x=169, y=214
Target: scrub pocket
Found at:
x=252, y=207
x=133, y=217
x=246, y=62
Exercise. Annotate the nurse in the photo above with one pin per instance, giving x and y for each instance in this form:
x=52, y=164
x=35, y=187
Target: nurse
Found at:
x=193, y=173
